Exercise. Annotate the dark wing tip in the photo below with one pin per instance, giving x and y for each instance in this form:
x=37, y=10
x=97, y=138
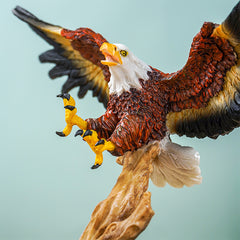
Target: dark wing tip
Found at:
x=232, y=23
x=23, y=14
x=29, y=18
x=64, y=66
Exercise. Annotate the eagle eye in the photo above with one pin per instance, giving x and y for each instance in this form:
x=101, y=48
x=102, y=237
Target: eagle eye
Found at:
x=124, y=53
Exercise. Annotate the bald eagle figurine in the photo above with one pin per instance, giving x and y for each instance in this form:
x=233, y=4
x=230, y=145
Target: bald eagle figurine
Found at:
x=143, y=104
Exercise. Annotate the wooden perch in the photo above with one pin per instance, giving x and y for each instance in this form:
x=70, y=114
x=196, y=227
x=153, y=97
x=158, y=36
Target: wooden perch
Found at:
x=127, y=210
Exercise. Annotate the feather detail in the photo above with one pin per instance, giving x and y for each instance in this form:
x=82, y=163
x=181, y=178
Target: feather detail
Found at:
x=127, y=75
x=76, y=54
x=231, y=26
x=176, y=165
x=208, y=112
x=200, y=100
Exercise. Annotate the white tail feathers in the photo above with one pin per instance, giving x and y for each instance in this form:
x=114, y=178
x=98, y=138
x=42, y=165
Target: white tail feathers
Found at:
x=176, y=165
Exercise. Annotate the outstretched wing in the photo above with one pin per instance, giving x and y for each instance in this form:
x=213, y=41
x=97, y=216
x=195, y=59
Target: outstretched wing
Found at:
x=204, y=97
x=75, y=53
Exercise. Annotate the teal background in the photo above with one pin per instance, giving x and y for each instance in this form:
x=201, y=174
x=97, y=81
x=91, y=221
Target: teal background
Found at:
x=47, y=189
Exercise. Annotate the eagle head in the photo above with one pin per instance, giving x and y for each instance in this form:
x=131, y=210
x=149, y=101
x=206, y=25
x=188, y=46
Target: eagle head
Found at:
x=125, y=68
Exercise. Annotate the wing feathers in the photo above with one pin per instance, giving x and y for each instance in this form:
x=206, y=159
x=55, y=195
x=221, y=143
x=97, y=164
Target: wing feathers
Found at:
x=53, y=57
x=73, y=82
x=220, y=117
x=217, y=110
x=48, y=32
x=231, y=25
x=75, y=53
x=59, y=71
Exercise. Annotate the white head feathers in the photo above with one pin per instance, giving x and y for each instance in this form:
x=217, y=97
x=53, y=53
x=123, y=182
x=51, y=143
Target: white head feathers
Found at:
x=126, y=75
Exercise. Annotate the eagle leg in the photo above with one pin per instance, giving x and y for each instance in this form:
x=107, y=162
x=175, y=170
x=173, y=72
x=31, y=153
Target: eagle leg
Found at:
x=97, y=146
x=70, y=115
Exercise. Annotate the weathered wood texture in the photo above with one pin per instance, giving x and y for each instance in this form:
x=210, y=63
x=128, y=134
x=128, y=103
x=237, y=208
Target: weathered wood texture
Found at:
x=127, y=210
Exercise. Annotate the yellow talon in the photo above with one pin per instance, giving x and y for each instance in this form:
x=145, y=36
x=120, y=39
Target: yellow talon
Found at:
x=104, y=145
x=91, y=137
x=70, y=115
x=97, y=146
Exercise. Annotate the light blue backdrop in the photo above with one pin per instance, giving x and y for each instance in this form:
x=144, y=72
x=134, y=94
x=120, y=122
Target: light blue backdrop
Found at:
x=48, y=191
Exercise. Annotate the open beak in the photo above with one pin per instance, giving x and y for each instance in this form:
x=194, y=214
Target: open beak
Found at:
x=112, y=55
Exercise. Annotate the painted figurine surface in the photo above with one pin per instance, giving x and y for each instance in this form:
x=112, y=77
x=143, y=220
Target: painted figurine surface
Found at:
x=142, y=103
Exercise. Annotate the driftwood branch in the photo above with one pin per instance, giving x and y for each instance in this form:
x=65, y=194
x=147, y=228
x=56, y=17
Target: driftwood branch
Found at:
x=127, y=210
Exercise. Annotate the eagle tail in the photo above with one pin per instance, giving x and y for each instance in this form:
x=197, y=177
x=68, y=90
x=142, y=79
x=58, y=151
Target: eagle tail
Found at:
x=176, y=165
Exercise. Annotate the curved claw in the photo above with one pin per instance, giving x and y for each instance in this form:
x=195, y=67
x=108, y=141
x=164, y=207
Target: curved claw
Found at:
x=61, y=134
x=64, y=95
x=69, y=107
x=95, y=166
x=100, y=142
x=87, y=133
x=98, y=146
x=79, y=132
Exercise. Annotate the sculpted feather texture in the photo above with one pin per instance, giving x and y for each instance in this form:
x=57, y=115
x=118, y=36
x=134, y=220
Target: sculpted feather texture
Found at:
x=144, y=104
x=127, y=75
x=155, y=106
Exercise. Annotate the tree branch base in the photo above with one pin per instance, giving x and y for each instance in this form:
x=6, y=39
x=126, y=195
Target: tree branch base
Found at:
x=127, y=211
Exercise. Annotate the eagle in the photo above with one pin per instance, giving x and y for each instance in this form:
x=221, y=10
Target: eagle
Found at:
x=143, y=104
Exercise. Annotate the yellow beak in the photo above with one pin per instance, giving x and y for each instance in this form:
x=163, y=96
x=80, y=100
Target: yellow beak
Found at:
x=111, y=54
